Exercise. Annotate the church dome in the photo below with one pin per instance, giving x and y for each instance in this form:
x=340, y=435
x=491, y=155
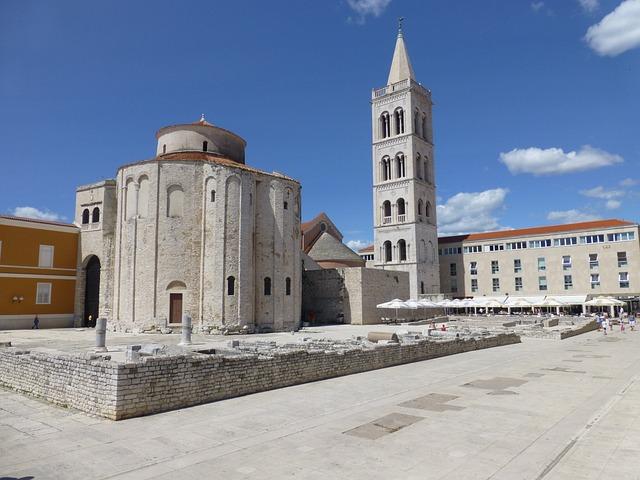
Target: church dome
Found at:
x=200, y=136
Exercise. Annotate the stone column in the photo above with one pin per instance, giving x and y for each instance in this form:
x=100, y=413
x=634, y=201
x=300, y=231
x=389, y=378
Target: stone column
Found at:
x=186, y=330
x=101, y=334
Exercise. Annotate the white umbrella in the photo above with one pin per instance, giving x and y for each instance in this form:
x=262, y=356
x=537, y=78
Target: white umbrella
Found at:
x=394, y=304
x=520, y=303
x=424, y=303
x=604, y=302
x=552, y=302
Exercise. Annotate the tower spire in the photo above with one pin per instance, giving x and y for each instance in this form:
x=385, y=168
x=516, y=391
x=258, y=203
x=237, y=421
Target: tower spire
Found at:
x=401, y=68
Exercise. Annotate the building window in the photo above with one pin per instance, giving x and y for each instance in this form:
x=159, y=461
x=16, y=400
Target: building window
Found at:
x=473, y=249
x=495, y=267
x=454, y=286
x=45, y=257
x=386, y=246
x=85, y=216
x=418, y=166
x=473, y=268
x=566, y=262
x=402, y=210
x=518, y=285
x=623, y=278
x=286, y=205
x=496, y=284
x=400, y=167
x=164, y=148
x=566, y=241
x=386, y=168
x=175, y=200
x=595, y=280
x=43, y=293
x=453, y=271
x=231, y=286
x=568, y=282
x=542, y=283
x=385, y=125
x=399, y=120
x=267, y=286
x=386, y=212
x=517, y=265
x=542, y=264
x=95, y=215
x=213, y=195
x=622, y=259
x=593, y=260
x=287, y=286
x=496, y=247
x=592, y=239
x=474, y=284
x=402, y=250
x=620, y=237
x=420, y=205
x=205, y=146
x=422, y=288
x=427, y=210
x=540, y=243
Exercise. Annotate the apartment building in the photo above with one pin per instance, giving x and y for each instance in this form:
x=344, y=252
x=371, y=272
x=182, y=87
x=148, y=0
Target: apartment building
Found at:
x=593, y=258
x=38, y=262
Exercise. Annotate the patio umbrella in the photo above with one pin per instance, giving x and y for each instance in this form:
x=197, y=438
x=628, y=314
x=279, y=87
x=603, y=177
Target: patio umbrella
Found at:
x=394, y=304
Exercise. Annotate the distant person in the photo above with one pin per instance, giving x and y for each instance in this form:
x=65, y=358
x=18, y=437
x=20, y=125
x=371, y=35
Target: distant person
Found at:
x=605, y=324
x=90, y=321
x=632, y=323
x=36, y=323
x=443, y=327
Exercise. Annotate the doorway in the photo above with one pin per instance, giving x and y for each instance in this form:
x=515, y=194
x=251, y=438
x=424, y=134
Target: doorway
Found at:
x=91, y=292
x=175, y=308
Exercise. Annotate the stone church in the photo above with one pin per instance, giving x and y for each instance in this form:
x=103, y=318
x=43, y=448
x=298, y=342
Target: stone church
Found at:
x=193, y=231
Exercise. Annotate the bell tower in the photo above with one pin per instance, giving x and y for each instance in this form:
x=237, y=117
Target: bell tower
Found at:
x=404, y=198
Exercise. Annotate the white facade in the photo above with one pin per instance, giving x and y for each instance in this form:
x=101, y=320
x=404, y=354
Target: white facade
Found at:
x=404, y=205
x=597, y=258
x=199, y=233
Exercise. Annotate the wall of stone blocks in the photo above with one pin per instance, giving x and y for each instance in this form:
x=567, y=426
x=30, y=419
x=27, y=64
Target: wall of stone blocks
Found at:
x=322, y=295
x=157, y=384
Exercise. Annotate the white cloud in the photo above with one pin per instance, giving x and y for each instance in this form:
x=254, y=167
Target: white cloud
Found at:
x=628, y=182
x=31, y=212
x=617, y=32
x=554, y=161
x=570, y=216
x=356, y=245
x=471, y=212
x=613, y=204
x=369, y=7
x=536, y=6
x=589, y=5
x=601, y=192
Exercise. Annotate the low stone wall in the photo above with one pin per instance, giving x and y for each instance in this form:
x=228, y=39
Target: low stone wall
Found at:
x=156, y=384
x=579, y=331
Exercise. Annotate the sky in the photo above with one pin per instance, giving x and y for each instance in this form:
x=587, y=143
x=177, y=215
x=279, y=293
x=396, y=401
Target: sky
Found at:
x=536, y=116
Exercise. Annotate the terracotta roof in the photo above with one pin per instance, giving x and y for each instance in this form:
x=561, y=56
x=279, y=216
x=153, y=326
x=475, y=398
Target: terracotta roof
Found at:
x=367, y=249
x=310, y=223
x=211, y=158
x=38, y=220
x=548, y=229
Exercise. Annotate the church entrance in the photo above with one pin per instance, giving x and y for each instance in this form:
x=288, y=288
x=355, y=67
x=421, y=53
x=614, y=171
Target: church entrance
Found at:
x=91, y=292
x=175, y=308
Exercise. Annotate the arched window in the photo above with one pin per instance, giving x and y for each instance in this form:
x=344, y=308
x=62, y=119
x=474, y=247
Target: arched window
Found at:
x=95, y=215
x=143, y=196
x=385, y=125
x=416, y=122
x=386, y=248
x=427, y=174
x=400, y=169
x=287, y=286
x=398, y=116
x=205, y=146
x=420, y=205
x=213, y=195
x=402, y=250
x=286, y=205
x=85, y=216
x=267, y=286
x=422, y=288
x=424, y=127
x=164, y=148
x=386, y=212
x=131, y=198
x=419, y=166
x=427, y=210
x=231, y=285
x=323, y=227
x=402, y=210
x=175, y=201
x=386, y=168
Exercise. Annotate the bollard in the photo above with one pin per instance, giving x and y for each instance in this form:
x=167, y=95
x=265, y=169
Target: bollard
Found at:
x=186, y=330
x=101, y=334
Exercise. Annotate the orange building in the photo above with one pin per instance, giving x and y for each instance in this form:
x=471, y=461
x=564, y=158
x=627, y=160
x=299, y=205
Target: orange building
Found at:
x=38, y=260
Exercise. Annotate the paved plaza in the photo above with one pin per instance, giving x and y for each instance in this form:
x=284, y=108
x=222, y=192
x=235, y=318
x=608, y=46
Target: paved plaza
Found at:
x=542, y=409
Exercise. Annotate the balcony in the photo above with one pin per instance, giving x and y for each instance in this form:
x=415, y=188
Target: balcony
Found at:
x=402, y=218
x=386, y=220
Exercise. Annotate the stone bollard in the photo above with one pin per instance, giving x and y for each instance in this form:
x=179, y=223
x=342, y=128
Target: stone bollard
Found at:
x=186, y=330
x=133, y=353
x=101, y=334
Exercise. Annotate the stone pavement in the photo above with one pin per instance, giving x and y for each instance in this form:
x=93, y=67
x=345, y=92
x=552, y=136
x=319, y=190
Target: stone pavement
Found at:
x=538, y=410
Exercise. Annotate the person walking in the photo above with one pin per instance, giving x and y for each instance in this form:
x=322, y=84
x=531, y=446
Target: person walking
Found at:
x=36, y=323
x=605, y=324
x=632, y=323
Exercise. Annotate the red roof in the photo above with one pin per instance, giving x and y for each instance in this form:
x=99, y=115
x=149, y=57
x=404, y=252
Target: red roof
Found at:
x=367, y=249
x=37, y=220
x=521, y=232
